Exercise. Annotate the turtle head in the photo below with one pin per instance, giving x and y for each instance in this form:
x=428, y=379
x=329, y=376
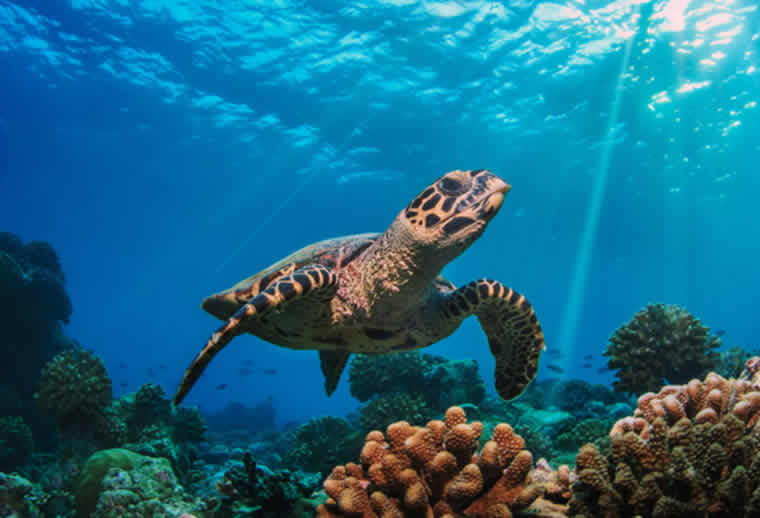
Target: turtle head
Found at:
x=453, y=211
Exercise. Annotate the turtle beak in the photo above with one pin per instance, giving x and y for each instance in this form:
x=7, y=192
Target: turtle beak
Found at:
x=499, y=189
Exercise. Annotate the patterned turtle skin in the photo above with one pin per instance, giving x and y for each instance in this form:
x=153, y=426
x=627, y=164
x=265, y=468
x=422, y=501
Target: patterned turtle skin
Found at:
x=381, y=293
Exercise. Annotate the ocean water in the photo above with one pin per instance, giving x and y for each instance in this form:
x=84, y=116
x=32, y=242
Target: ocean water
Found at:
x=169, y=149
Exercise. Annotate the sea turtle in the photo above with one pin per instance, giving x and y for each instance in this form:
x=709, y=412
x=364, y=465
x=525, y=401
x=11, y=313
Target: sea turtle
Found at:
x=380, y=293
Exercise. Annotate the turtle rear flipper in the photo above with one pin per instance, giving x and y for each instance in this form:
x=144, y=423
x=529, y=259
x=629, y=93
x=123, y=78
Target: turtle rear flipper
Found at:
x=332, y=363
x=313, y=281
x=513, y=331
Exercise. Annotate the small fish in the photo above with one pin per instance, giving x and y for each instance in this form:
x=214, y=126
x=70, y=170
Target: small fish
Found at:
x=588, y=357
x=555, y=368
x=720, y=332
x=244, y=372
x=269, y=371
x=247, y=363
x=586, y=365
x=221, y=386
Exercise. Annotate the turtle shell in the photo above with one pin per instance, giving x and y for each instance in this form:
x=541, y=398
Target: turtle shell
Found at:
x=333, y=253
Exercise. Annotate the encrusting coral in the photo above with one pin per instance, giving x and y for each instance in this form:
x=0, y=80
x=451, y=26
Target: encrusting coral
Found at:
x=435, y=470
x=661, y=344
x=689, y=450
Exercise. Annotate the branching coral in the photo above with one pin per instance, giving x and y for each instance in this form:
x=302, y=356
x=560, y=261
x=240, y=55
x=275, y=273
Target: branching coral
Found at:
x=435, y=470
x=75, y=386
x=689, y=450
x=661, y=344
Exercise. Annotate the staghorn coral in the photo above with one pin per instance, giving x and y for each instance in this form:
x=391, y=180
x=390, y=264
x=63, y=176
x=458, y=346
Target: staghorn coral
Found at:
x=689, y=450
x=661, y=344
x=435, y=470
x=75, y=386
x=391, y=407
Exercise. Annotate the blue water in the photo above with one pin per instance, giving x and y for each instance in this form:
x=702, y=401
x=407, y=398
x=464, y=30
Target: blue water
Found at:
x=169, y=149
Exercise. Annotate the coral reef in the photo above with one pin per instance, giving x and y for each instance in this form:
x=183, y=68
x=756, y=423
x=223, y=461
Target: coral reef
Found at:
x=75, y=386
x=593, y=430
x=572, y=395
x=390, y=407
x=20, y=498
x=252, y=489
x=689, y=450
x=237, y=416
x=321, y=443
x=33, y=306
x=730, y=362
x=661, y=344
x=16, y=442
x=121, y=483
x=411, y=386
x=436, y=470
x=370, y=375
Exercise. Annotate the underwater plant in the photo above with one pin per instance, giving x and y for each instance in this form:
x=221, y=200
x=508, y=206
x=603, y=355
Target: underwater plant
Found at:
x=660, y=344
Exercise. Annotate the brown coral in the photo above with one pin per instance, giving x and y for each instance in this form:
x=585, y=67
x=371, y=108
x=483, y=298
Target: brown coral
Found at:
x=689, y=450
x=435, y=470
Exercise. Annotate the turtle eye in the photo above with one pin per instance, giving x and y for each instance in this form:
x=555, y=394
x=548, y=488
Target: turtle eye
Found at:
x=450, y=186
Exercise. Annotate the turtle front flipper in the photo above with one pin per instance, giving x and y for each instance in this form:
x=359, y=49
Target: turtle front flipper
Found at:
x=313, y=281
x=513, y=331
